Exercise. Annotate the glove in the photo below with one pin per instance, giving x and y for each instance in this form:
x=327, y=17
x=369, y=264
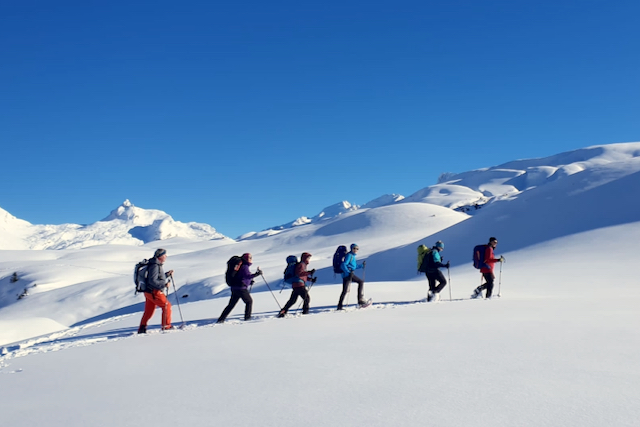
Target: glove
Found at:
x=313, y=279
x=448, y=263
x=252, y=282
x=312, y=271
x=258, y=272
x=364, y=263
x=502, y=259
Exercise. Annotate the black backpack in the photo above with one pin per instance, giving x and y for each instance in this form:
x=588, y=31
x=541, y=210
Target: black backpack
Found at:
x=140, y=275
x=338, y=259
x=230, y=275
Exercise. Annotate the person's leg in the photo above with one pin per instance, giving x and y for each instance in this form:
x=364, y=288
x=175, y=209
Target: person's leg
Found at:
x=360, y=283
x=346, y=281
x=442, y=282
x=306, y=298
x=292, y=300
x=246, y=297
x=161, y=301
x=235, y=296
x=149, y=308
x=489, y=277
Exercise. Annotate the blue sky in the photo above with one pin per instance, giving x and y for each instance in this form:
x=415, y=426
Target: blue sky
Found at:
x=248, y=114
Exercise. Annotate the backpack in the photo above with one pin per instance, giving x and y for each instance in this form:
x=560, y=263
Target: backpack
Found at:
x=290, y=271
x=338, y=259
x=229, y=276
x=140, y=276
x=478, y=256
x=423, y=251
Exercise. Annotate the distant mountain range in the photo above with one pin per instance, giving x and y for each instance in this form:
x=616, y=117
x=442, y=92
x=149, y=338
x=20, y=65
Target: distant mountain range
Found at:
x=125, y=225
x=465, y=192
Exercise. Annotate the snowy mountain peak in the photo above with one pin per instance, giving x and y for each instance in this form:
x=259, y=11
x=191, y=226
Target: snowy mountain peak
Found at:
x=128, y=212
x=125, y=225
x=337, y=209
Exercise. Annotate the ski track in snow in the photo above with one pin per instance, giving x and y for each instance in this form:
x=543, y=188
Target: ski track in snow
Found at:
x=72, y=338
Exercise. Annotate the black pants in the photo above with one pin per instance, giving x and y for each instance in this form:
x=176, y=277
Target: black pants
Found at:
x=300, y=291
x=237, y=294
x=346, y=282
x=488, y=277
x=434, y=276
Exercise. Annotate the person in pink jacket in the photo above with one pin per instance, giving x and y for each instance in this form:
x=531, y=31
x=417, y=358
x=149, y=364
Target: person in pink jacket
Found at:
x=299, y=288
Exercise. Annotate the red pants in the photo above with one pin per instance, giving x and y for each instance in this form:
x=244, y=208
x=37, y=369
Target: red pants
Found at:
x=153, y=300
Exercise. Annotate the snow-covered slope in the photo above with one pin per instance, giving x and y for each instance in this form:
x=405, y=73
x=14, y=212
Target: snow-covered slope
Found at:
x=470, y=191
x=558, y=348
x=126, y=225
x=529, y=202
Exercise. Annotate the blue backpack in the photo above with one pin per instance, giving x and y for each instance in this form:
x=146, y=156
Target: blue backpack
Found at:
x=290, y=271
x=478, y=256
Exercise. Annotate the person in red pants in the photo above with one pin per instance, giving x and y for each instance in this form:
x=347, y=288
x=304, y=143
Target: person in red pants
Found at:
x=154, y=296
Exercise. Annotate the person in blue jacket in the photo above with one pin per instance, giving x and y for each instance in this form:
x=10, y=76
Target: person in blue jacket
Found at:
x=434, y=263
x=348, y=266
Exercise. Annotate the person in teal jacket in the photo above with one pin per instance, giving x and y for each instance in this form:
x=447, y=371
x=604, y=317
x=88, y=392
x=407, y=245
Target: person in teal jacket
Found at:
x=348, y=266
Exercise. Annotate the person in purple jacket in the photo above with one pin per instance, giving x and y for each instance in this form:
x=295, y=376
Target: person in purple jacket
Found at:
x=242, y=282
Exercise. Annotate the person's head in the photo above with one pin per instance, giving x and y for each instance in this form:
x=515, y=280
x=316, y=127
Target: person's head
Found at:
x=493, y=242
x=161, y=255
x=305, y=257
x=247, y=257
x=354, y=248
x=439, y=245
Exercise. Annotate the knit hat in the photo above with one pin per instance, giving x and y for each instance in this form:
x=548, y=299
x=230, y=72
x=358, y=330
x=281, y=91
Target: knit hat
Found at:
x=159, y=252
x=439, y=244
x=354, y=246
x=246, y=256
x=305, y=256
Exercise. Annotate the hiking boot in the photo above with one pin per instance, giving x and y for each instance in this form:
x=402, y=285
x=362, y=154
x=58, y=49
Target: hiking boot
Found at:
x=142, y=329
x=282, y=313
x=436, y=297
x=477, y=293
x=168, y=328
x=339, y=308
x=429, y=296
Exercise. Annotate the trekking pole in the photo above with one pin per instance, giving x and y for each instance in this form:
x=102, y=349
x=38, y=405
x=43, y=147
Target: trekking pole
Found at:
x=500, y=281
x=175, y=292
x=449, y=273
x=274, y=297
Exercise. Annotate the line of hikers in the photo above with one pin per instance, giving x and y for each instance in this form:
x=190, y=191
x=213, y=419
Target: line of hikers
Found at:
x=151, y=279
x=430, y=263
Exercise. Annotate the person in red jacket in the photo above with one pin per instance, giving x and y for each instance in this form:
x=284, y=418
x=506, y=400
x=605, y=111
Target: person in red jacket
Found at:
x=487, y=269
x=299, y=289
